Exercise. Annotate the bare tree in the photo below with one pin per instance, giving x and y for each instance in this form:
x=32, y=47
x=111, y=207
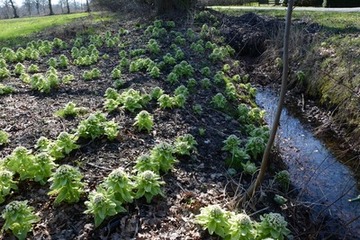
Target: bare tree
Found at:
x=50, y=8
x=87, y=6
x=14, y=8
x=28, y=5
x=5, y=10
x=37, y=6
x=67, y=7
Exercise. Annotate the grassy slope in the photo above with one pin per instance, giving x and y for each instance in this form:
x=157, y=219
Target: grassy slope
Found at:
x=16, y=31
x=331, y=65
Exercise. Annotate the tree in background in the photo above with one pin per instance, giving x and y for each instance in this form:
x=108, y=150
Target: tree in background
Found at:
x=14, y=8
x=50, y=8
x=28, y=5
x=67, y=7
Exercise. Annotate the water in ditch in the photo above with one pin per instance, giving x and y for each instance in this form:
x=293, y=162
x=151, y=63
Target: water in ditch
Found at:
x=325, y=184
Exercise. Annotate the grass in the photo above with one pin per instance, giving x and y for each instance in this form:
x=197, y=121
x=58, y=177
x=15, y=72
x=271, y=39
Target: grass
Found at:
x=333, y=21
x=20, y=27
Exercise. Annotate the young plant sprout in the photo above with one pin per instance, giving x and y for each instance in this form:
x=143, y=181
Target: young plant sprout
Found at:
x=148, y=184
x=144, y=121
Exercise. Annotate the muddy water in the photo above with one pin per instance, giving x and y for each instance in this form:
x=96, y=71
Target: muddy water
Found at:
x=324, y=183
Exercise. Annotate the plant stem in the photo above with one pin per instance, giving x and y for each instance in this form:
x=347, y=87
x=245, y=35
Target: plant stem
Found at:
x=265, y=159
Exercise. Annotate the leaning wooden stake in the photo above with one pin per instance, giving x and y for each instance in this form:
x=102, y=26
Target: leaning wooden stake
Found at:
x=265, y=160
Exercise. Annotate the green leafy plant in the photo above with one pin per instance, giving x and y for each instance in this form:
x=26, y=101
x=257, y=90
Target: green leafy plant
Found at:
x=6, y=183
x=70, y=110
x=153, y=46
x=20, y=161
x=237, y=154
x=219, y=101
x=272, y=225
x=101, y=205
x=4, y=137
x=67, y=78
x=19, y=218
x=116, y=73
x=255, y=146
x=92, y=127
x=185, y=144
x=119, y=186
x=64, y=144
x=283, y=179
x=169, y=59
x=146, y=162
x=111, y=130
x=44, y=84
x=191, y=84
x=19, y=69
x=52, y=62
x=214, y=219
x=66, y=184
x=172, y=78
x=43, y=167
x=165, y=101
x=205, y=83
x=162, y=153
x=33, y=68
x=144, y=120
x=155, y=72
x=180, y=100
x=156, y=93
x=206, y=71
x=4, y=73
x=197, y=108
x=241, y=227
x=148, y=184
x=249, y=167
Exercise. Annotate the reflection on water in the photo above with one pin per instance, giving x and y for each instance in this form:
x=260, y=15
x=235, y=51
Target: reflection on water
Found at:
x=321, y=178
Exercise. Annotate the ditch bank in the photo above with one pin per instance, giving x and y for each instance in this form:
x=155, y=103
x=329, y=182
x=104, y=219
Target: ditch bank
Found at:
x=318, y=132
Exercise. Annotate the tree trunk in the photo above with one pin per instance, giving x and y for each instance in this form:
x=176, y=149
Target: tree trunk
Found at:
x=67, y=6
x=50, y=8
x=87, y=6
x=167, y=6
x=14, y=9
x=37, y=5
x=265, y=160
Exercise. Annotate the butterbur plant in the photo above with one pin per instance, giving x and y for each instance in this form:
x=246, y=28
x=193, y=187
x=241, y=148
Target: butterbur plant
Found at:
x=214, y=219
x=4, y=89
x=241, y=227
x=64, y=144
x=70, y=110
x=145, y=162
x=4, y=138
x=44, y=164
x=144, y=121
x=272, y=225
x=219, y=101
x=111, y=130
x=185, y=144
x=156, y=93
x=6, y=184
x=92, y=127
x=66, y=184
x=101, y=205
x=165, y=101
x=162, y=153
x=148, y=184
x=119, y=186
x=19, y=218
x=19, y=161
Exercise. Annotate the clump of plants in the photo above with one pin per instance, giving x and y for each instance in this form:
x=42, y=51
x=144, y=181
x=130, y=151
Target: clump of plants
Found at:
x=63, y=145
x=70, y=110
x=92, y=74
x=96, y=125
x=236, y=155
x=4, y=138
x=66, y=184
x=19, y=218
x=184, y=144
x=6, y=184
x=219, y=101
x=148, y=185
x=229, y=225
x=162, y=154
x=144, y=121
